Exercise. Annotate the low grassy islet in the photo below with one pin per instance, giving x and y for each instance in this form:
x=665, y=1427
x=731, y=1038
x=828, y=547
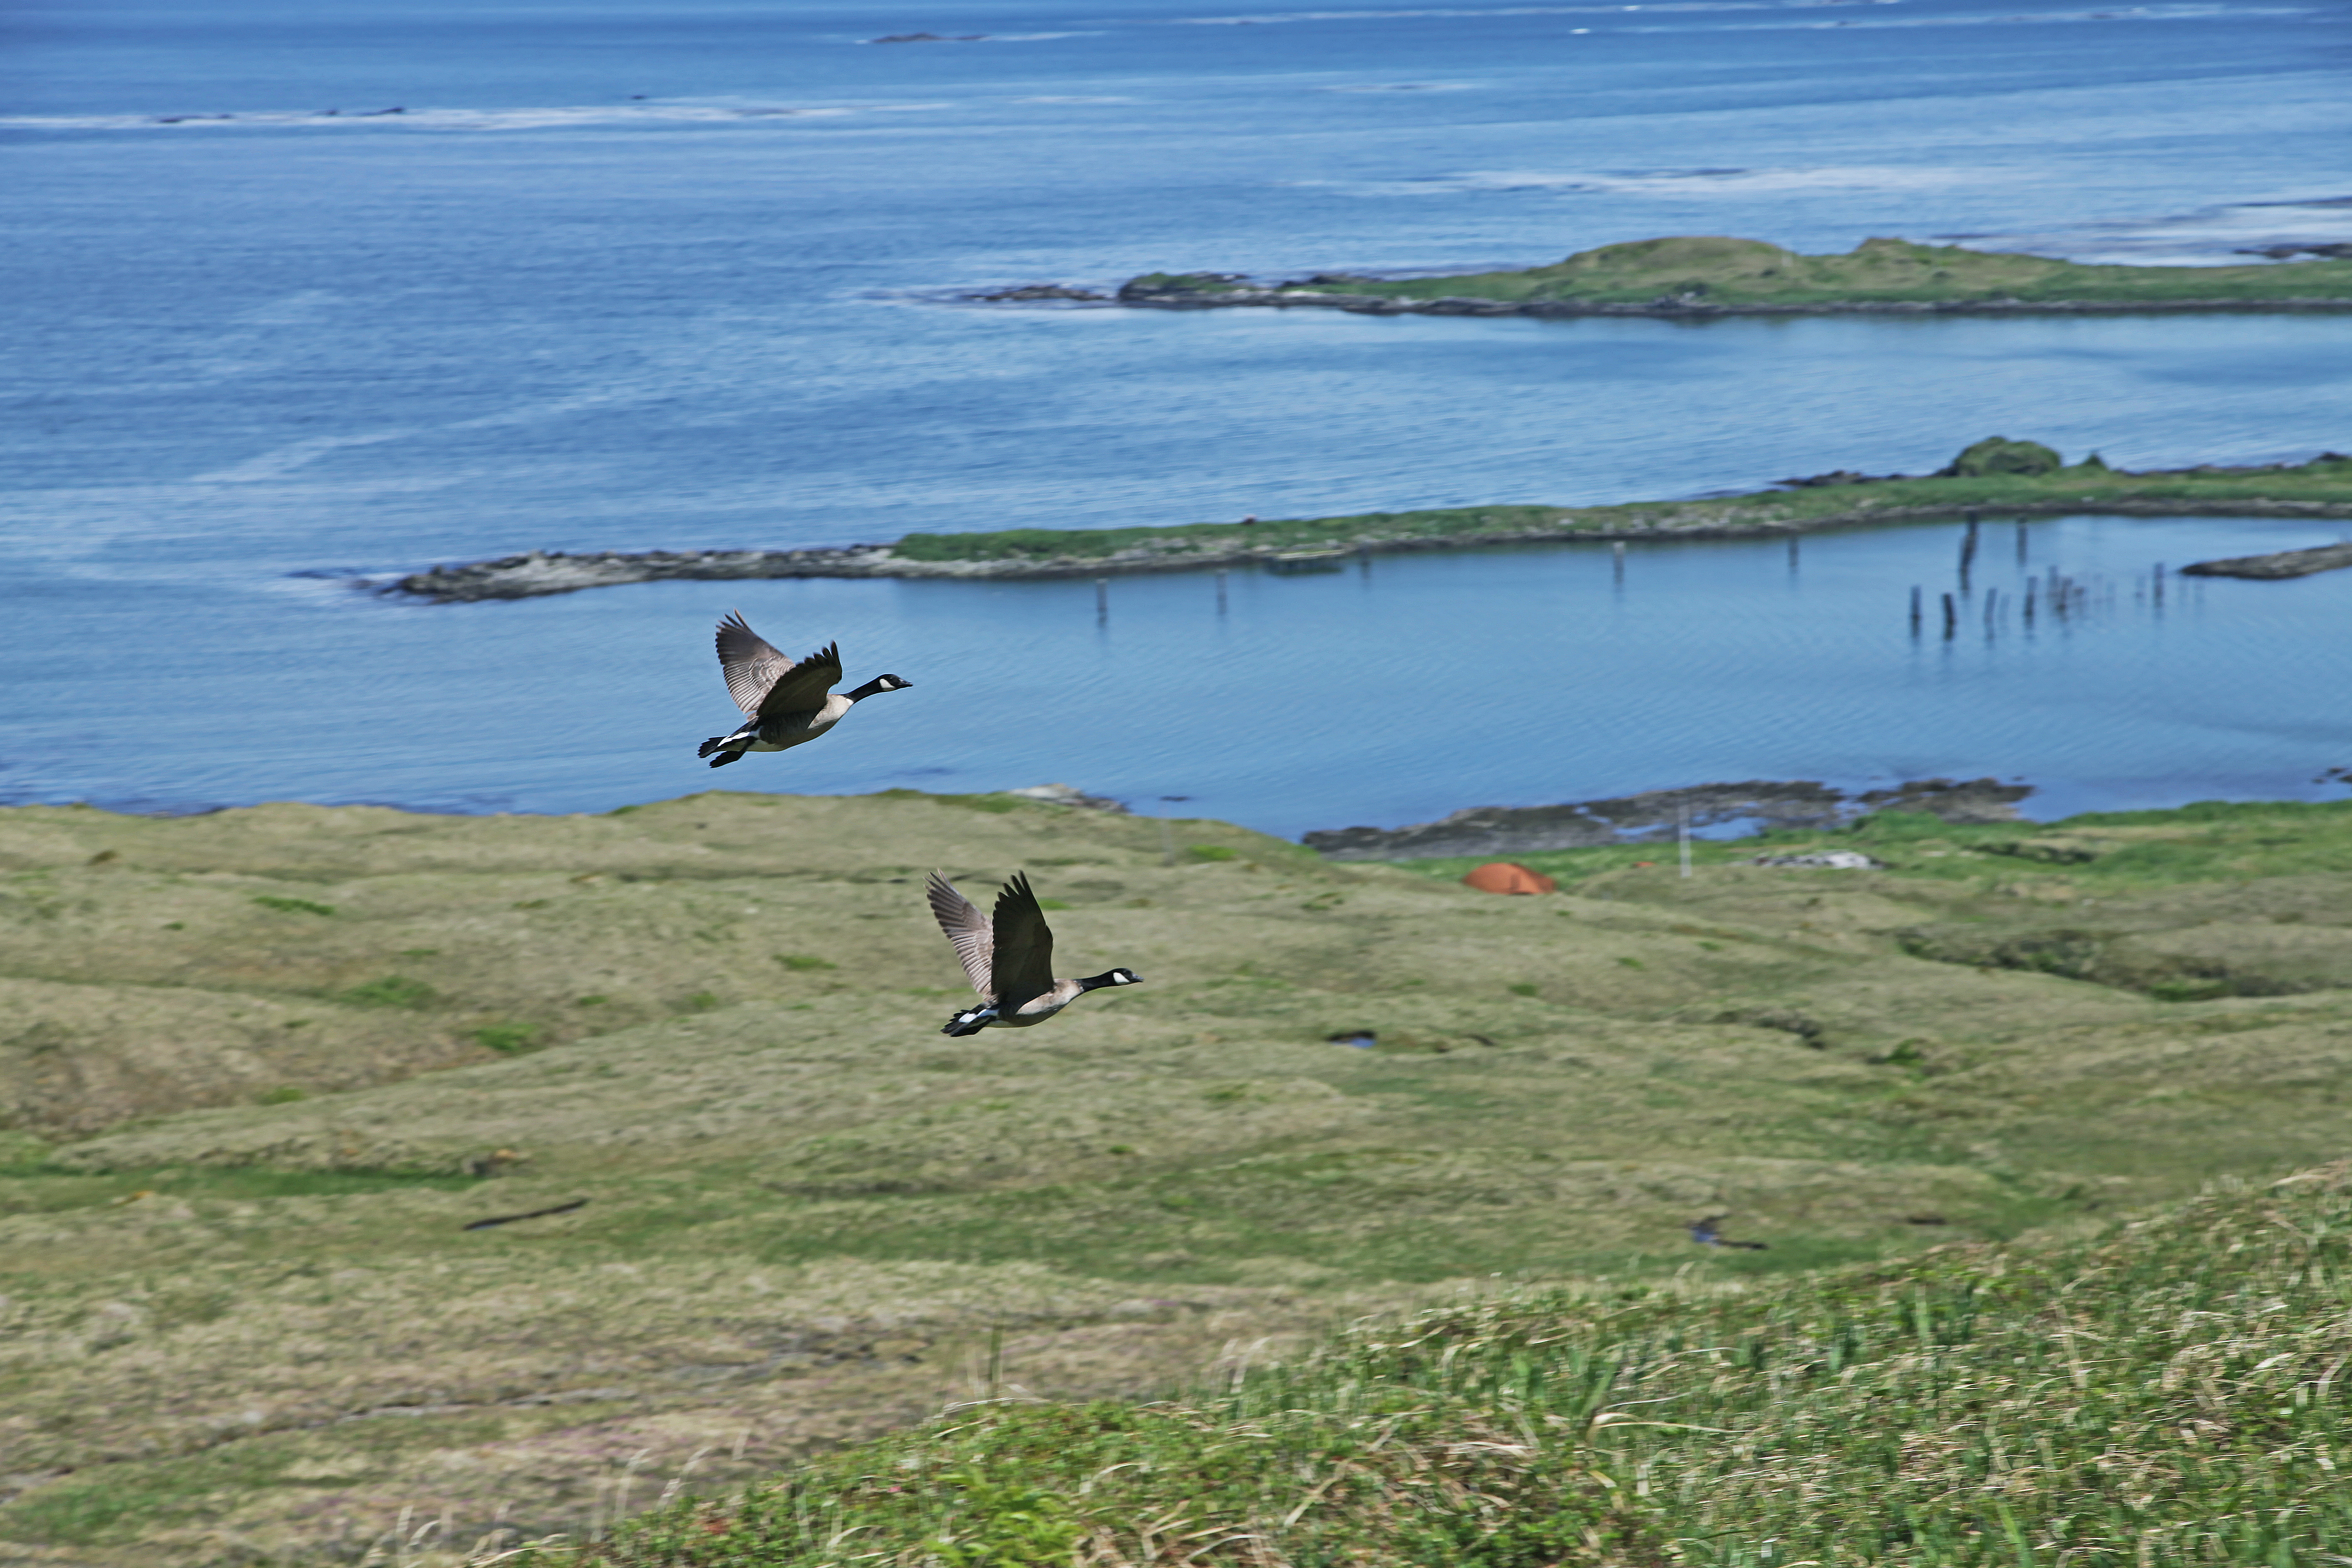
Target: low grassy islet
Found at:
x=1712, y=275
x=2017, y=479
x=1995, y=477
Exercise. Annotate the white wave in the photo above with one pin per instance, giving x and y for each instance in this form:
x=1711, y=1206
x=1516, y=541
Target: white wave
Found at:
x=285, y=460
x=1405, y=87
x=1268, y=18
x=905, y=39
x=1072, y=97
x=2210, y=234
x=2184, y=13
x=555, y=117
x=1675, y=183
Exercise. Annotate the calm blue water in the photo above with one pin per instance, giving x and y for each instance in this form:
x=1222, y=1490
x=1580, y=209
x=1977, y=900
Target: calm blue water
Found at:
x=539, y=309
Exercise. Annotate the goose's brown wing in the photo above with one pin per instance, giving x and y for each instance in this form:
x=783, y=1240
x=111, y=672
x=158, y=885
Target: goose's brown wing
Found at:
x=1024, y=963
x=967, y=929
x=763, y=681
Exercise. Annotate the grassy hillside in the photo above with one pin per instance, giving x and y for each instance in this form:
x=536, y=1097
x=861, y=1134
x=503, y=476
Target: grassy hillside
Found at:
x=2321, y=488
x=1703, y=271
x=2166, y=1392
x=244, y=1322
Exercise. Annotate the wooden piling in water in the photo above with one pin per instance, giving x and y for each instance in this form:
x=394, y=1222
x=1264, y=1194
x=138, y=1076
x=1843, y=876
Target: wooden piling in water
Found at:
x=1915, y=609
x=1102, y=600
x=1221, y=590
x=1951, y=618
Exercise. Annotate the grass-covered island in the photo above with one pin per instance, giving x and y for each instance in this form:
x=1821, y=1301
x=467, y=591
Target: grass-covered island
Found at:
x=1711, y=276
x=268, y=1073
x=2013, y=479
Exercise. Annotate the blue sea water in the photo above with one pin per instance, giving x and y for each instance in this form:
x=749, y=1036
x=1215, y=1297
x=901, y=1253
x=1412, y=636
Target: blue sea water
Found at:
x=627, y=276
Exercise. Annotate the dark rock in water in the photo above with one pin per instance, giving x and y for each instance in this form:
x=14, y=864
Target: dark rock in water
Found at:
x=2333, y=251
x=1041, y=292
x=1837, y=477
x=1657, y=814
x=1999, y=454
x=2283, y=564
x=1969, y=800
x=1185, y=289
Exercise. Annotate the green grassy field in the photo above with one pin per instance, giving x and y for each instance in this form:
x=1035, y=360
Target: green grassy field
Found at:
x=1709, y=272
x=2166, y=1392
x=265, y=1066
x=2320, y=487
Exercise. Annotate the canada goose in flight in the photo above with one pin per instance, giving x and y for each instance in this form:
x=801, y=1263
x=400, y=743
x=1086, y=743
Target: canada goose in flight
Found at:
x=784, y=703
x=1008, y=958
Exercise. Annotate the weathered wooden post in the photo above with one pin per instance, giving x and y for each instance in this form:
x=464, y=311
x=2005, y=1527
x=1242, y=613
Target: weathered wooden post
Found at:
x=1951, y=618
x=1221, y=590
x=1968, y=552
x=1102, y=600
x=1915, y=609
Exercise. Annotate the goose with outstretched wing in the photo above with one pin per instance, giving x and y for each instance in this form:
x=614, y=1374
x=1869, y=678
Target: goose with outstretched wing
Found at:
x=1008, y=958
x=784, y=703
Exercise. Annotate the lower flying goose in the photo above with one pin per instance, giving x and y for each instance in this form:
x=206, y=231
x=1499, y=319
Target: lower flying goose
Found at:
x=1009, y=958
x=783, y=703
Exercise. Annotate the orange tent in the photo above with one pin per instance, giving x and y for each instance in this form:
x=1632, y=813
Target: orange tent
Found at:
x=1502, y=877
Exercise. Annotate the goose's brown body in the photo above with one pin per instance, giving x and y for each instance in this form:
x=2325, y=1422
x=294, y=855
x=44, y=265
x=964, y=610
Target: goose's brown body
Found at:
x=786, y=703
x=1008, y=958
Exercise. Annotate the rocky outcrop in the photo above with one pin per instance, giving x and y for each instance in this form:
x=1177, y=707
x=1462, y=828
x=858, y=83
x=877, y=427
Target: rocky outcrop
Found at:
x=545, y=571
x=1657, y=814
x=2283, y=563
x=1029, y=291
x=1999, y=454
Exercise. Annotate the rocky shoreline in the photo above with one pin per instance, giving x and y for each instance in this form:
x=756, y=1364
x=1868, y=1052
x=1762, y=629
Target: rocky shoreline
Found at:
x=2276, y=565
x=1685, y=307
x=1656, y=815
